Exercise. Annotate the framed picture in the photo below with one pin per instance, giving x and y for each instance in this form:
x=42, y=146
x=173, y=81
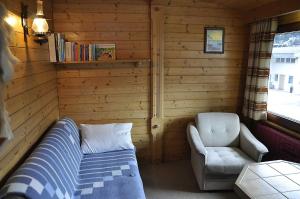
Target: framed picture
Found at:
x=214, y=40
x=105, y=52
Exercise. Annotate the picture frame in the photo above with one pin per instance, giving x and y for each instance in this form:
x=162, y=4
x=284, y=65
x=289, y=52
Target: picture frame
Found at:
x=105, y=52
x=214, y=40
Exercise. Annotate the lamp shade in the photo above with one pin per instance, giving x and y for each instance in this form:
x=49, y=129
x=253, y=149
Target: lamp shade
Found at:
x=40, y=25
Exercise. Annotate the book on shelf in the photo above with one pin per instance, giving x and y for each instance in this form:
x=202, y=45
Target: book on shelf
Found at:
x=61, y=50
x=52, y=48
x=68, y=51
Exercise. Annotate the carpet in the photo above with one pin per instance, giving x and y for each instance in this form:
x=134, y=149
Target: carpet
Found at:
x=175, y=180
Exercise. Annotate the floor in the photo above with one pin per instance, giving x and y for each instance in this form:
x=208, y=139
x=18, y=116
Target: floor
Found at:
x=176, y=181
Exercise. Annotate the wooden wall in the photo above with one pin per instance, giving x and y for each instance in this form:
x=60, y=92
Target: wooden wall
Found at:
x=31, y=97
x=107, y=93
x=194, y=81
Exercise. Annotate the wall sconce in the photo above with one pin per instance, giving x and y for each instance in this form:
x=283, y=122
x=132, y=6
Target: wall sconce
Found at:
x=39, y=26
x=24, y=14
x=11, y=20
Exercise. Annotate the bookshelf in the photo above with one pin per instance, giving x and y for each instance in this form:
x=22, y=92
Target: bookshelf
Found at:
x=73, y=54
x=137, y=62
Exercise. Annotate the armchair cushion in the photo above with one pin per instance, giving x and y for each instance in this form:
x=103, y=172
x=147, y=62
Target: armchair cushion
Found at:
x=225, y=160
x=218, y=129
x=195, y=140
x=250, y=145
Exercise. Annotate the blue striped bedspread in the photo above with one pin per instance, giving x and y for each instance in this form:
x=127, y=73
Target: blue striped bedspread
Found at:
x=58, y=169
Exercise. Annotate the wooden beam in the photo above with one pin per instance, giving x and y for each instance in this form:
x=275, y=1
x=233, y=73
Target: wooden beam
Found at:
x=276, y=8
x=290, y=18
x=157, y=77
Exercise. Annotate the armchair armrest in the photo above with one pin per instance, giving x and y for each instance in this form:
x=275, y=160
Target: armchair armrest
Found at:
x=195, y=140
x=250, y=145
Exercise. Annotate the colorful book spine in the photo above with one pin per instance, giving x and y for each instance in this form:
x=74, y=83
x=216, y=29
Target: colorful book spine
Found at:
x=61, y=50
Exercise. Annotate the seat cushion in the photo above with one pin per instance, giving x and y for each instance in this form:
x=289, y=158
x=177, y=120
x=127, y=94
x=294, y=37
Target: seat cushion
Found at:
x=225, y=160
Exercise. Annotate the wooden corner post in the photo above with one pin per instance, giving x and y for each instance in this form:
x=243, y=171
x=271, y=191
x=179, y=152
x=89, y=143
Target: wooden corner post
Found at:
x=157, y=81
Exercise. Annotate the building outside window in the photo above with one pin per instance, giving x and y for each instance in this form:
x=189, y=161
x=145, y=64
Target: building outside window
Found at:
x=284, y=88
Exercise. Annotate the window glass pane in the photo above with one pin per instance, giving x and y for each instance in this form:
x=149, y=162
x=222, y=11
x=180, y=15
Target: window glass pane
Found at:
x=284, y=81
x=293, y=60
x=291, y=79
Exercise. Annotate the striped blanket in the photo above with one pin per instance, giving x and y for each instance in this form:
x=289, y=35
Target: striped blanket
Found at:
x=58, y=169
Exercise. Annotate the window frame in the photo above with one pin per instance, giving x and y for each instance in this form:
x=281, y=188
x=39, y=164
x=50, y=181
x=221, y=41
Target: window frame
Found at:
x=285, y=123
x=285, y=24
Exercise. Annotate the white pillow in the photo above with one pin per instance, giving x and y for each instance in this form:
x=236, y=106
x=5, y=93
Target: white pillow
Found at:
x=100, y=138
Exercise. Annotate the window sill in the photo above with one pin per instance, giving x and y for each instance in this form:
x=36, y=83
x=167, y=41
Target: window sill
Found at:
x=285, y=125
x=283, y=117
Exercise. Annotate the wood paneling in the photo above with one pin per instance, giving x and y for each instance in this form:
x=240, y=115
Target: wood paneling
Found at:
x=157, y=83
x=108, y=93
x=121, y=92
x=194, y=81
x=272, y=9
x=125, y=23
x=31, y=97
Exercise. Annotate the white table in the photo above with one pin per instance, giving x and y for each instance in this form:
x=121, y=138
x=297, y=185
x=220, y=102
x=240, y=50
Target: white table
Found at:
x=269, y=180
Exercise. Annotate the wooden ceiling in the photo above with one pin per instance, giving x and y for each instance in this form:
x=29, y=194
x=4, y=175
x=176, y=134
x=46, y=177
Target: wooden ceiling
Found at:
x=251, y=10
x=244, y=5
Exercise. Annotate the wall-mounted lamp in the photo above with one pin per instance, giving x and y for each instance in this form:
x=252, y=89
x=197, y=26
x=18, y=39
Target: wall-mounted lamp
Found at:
x=24, y=16
x=39, y=26
x=11, y=20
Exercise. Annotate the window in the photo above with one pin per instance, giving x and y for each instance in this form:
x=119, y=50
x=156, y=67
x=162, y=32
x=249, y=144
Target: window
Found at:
x=291, y=78
x=284, y=91
x=293, y=60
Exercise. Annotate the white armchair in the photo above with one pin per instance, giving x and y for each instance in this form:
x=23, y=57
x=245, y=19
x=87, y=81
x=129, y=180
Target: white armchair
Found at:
x=220, y=147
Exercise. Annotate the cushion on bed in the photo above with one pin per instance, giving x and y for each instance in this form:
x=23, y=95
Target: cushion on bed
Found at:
x=98, y=138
